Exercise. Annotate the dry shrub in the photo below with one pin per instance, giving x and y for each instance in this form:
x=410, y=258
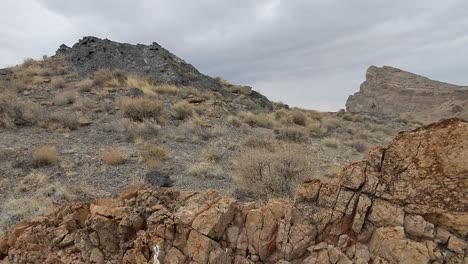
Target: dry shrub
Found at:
x=294, y=116
x=8, y=110
x=206, y=171
x=44, y=156
x=135, y=81
x=114, y=157
x=84, y=104
x=34, y=179
x=150, y=152
x=167, y=89
x=139, y=130
x=331, y=142
x=262, y=174
x=294, y=134
x=32, y=113
x=358, y=145
x=260, y=142
x=36, y=197
x=222, y=81
x=183, y=110
x=64, y=98
x=66, y=119
x=258, y=120
x=213, y=154
x=85, y=85
x=140, y=108
x=58, y=83
x=106, y=78
x=233, y=120
x=17, y=85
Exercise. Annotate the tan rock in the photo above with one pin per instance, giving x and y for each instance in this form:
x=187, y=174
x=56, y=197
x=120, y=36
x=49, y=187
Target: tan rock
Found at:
x=308, y=191
x=361, y=210
x=102, y=210
x=456, y=244
x=415, y=225
x=199, y=247
x=213, y=221
x=384, y=213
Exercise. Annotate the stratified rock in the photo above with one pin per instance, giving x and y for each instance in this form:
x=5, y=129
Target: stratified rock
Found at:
x=407, y=203
x=395, y=92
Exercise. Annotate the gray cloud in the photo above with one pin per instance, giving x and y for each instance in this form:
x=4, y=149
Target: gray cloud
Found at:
x=306, y=53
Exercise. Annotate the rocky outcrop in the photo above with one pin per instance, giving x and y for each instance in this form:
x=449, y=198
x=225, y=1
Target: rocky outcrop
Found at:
x=91, y=53
x=394, y=92
x=407, y=203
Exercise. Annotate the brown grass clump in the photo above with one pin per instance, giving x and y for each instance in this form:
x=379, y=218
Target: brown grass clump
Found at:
x=140, y=108
x=33, y=179
x=85, y=85
x=260, y=142
x=183, y=110
x=8, y=110
x=169, y=89
x=106, y=78
x=139, y=130
x=233, y=120
x=135, y=81
x=213, y=154
x=331, y=142
x=64, y=98
x=150, y=152
x=66, y=119
x=113, y=157
x=262, y=174
x=44, y=156
x=222, y=81
x=293, y=134
x=206, y=171
x=258, y=120
x=58, y=83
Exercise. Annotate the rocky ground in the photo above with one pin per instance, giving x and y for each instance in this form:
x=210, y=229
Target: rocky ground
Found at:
x=405, y=203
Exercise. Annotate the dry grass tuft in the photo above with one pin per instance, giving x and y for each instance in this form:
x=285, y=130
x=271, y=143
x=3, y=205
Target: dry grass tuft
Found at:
x=44, y=156
x=85, y=85
x=234, y=120
x=183, y=110
x=135, y=81
x=258, y=120
x=139, y=130
x=140, y=108
x=66, y=119
x=8, y=110
x=106, y=78
x=150, y=152
x=169, y=89
x=64, y=98
x=114, y=157
x=213, y=154
x=206, y=171
x=260, y=142
x=58, y=83
x=294, y=134
x=331, y=142
x=262, y=174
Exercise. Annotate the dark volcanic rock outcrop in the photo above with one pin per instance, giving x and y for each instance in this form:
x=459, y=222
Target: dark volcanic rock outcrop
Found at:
x=406, y=203
x=392, y=91
x=92, y=53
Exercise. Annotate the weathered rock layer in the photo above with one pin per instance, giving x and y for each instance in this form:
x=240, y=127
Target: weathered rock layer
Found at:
x=407, y=203
x=391, y=91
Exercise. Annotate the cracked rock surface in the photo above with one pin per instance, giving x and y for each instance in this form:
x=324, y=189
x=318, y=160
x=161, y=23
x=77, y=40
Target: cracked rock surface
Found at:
x=406, y=203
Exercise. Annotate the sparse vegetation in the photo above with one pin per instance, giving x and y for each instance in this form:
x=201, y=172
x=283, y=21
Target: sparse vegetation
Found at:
x=64, y=98
x=294, y=134
x=258, y=120
x=262, y=174
x=106, y=78
x=151, y=152
x=331, y=142
x=66, y=119
x=44, y=156
x=8, y=110
x=183, y=110
x=140, y=108
x=139, y=130
x=260, y=142
x=167, y=89
x=85, y=85
x=58, y=83
x=206, y=171
x=114, y=157
x=135, y=81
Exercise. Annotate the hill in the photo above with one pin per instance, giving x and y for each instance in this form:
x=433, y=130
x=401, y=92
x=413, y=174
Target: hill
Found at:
x=391, y=91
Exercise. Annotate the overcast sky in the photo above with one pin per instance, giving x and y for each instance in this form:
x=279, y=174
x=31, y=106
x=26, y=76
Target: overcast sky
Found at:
x=308, y=53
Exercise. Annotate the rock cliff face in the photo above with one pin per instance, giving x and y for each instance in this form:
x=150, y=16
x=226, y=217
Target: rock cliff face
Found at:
x=407, y=203
x=391, y=91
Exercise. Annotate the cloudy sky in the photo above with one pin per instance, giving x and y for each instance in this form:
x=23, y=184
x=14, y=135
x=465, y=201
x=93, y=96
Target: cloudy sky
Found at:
x=308, y=53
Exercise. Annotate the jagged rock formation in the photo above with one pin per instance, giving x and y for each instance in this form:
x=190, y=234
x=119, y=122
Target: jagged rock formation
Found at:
x=391, y=91
x=407, y=203
x=91, y=53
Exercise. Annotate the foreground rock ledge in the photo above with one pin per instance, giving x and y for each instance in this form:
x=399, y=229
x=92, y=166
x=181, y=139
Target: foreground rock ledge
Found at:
x=407, y=203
